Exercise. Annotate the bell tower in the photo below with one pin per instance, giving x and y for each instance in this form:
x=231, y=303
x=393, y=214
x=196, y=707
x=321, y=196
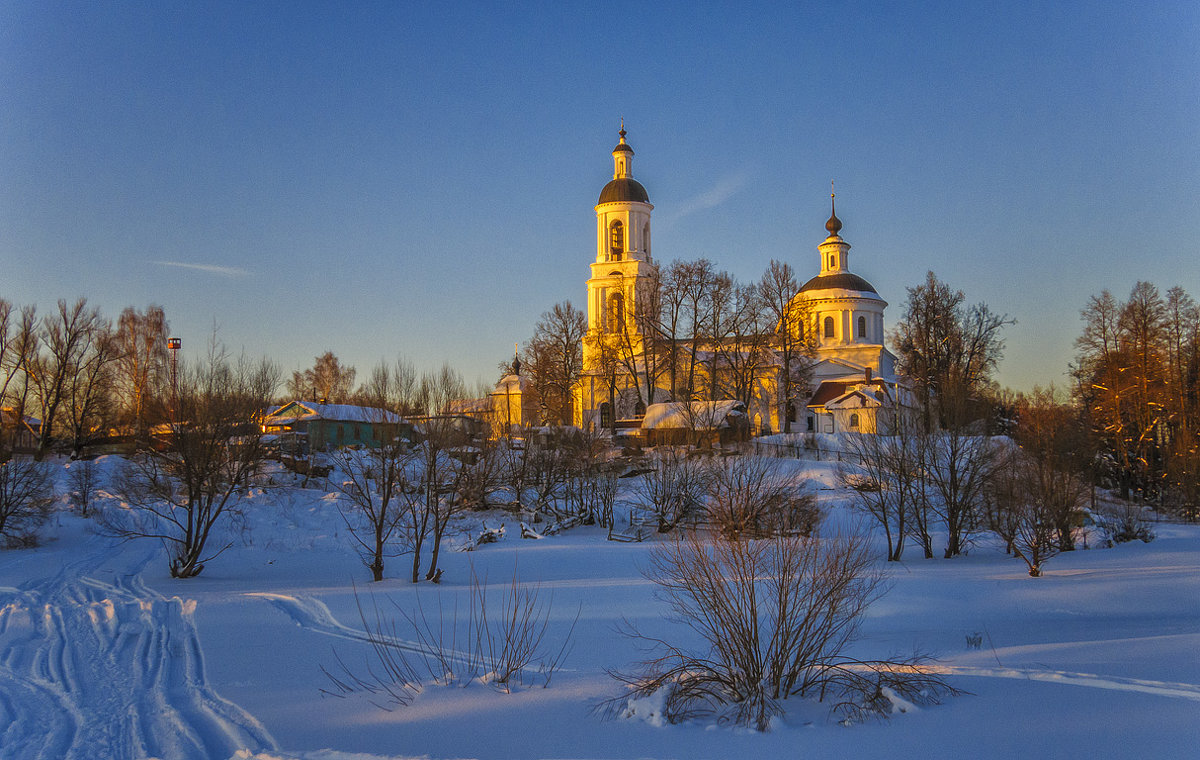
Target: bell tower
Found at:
x=623, y=264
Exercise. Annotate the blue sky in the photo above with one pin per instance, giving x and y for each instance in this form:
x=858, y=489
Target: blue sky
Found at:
x=418, y=179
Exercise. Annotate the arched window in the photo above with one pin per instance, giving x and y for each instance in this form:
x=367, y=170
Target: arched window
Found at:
x=862, y=327
x=829, y=327
x=646, y=239
x=832, y=262
x=616, y=232
x=791, y=412
x=854, y=421
x=617, y=312
x=606, y=415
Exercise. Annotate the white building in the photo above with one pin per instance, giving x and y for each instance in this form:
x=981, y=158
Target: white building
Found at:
x=843, y=309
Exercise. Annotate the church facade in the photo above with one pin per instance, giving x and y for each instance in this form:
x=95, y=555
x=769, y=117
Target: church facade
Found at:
x=852, y=381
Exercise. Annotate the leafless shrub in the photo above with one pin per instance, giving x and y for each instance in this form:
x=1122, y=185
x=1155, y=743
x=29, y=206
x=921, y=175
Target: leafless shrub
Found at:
x=591, y=494
x=749, y=497
x=502, y=650
x=26, y=499
x=1122, y=521
x=1024, y=509
x=778, y=618
x=673, y=488
x=83, y=478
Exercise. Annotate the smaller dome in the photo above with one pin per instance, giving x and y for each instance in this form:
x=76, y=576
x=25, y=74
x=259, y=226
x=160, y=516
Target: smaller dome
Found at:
x=834, y=225
x=623, y=147
x=839, y=281
x=624, y=189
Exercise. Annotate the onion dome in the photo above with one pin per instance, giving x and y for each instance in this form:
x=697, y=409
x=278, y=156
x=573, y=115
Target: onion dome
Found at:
x=834, y=225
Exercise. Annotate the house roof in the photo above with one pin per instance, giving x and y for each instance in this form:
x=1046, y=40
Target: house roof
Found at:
x=831, y=393
x=302, y=411
x=859, y=399
x=704, y=415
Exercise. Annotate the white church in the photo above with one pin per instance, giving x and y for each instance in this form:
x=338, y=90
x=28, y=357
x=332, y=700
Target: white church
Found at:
x=854, y=387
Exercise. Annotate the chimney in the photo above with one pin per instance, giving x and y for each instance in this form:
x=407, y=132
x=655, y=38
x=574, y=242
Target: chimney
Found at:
x=867, y=372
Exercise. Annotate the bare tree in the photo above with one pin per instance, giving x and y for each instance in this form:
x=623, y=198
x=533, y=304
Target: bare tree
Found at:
x=84, y=479
x=26, y=498
x=1055, y=463
x=182, y=489
x=745, y=351
x=948, y=350
x=1020, y=514
x=638, y=341
x=959, y=465
x=889, y=476
x=778, y=619
x=795, y=342
x=18, y=342
x=88, y=403
x=440, y=472
x=67, y=339
x=141, y=363
x=869, y=473
x=371, y=482
x=606, y=364
x=554, y=359
x=327, y=378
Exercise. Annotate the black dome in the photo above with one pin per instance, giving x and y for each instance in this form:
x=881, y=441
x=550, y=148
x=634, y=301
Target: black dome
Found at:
x=840, y=281
x=624, y=189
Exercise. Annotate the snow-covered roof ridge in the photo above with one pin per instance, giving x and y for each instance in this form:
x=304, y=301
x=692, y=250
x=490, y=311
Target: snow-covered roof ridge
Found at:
x=697, y=414
x=308, y=410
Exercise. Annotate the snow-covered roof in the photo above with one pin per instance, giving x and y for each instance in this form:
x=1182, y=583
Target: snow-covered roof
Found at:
x=859, y=398
x=301, y=411
x=513, y=384
x=697, y=414
x=840, y=393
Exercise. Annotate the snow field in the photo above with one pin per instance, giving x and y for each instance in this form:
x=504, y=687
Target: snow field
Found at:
x=103, y=655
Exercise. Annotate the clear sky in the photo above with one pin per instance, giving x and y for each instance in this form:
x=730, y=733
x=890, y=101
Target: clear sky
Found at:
x=417, y=179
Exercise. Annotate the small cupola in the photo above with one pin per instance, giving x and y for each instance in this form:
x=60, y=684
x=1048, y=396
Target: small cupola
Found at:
x=835, y=252
x=622, y=157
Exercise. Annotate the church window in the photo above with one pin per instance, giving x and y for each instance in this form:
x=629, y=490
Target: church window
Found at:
x=862, y=327
x=617, y=237
x=646, y=239
x=606, y=415
x=829, y=327
x=810, y=423
x=639, y=409
x=854, y=421
x=617, y=304
x=791, y=412
x=832, y=262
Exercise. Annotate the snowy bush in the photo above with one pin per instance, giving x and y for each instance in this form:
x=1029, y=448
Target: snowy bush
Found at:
x=1122, y=521
x=778, y=618
x=501, y=650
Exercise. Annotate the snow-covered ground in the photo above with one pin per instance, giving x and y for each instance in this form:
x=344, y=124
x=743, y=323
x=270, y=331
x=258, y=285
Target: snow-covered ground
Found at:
x=103, y=655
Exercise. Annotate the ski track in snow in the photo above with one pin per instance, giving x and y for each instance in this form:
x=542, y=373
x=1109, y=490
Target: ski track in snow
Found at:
x=92, y=669
x=313, y=615
x=1116, y=683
